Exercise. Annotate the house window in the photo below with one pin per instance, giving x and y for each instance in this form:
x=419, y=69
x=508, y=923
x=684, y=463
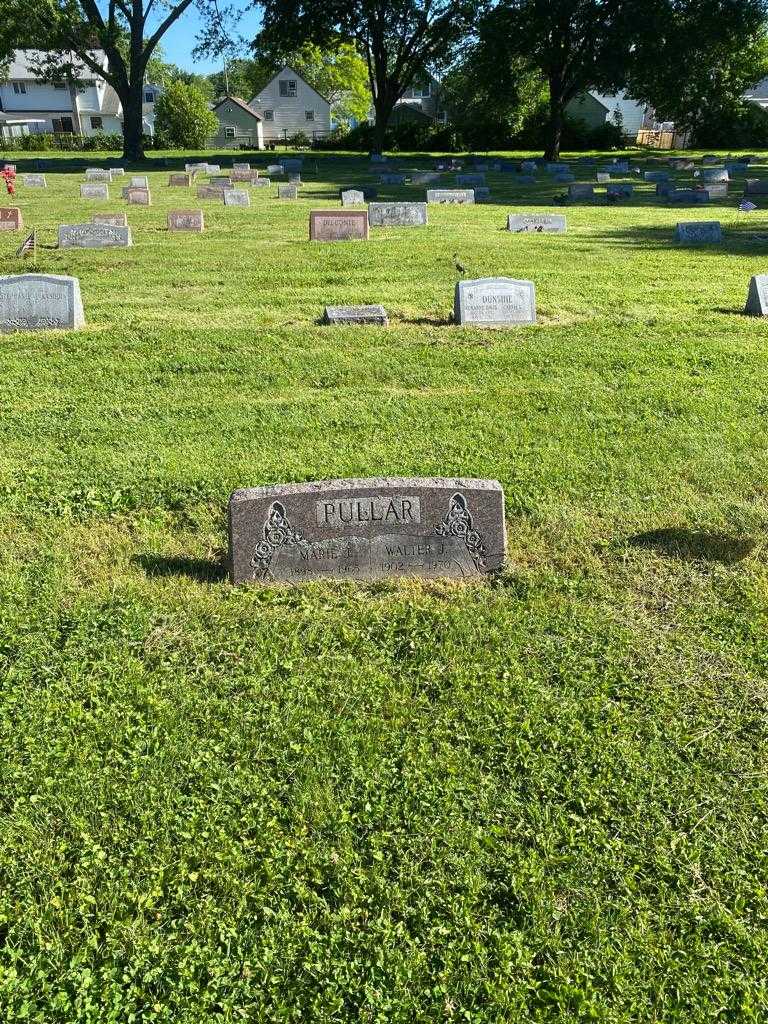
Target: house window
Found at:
x=59, y=85
x=97, y=124
x=309, y=115
x=149, y=97
x=19, y=88
x=288, y=87
x=63, y=124
x=269, y=115
x=229, y=132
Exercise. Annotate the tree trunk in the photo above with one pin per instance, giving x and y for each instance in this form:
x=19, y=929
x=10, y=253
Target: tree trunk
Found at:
x=383, y=105
x=133, y=130
x=555, y=123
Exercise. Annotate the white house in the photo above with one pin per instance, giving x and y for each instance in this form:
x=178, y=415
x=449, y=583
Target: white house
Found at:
x=287, y=104
x=30, y=105
x=596, y=108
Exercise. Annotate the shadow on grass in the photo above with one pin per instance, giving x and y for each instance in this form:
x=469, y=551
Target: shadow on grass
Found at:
x=201, y=569
x=691, y=546
x=736, y=240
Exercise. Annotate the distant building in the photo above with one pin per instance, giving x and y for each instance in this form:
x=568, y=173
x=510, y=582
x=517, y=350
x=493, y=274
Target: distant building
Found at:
x=596, y=109
x=29, y=105
x=758, y=94
x=239, y=125
x=422, y=101
x=288, y=105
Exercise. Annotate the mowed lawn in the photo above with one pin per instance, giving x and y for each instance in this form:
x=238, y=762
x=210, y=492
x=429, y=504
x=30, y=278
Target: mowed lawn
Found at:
x=539, y=799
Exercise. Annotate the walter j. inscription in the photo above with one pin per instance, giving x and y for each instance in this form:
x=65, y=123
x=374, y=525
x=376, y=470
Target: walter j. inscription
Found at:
x=365, y=529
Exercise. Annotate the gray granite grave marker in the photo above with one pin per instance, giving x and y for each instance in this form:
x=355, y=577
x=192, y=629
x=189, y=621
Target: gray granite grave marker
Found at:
x=757, y=296
x=450, y=195
x=287, y=191
x=138, y=196
x=356, y=315
x=97, y=174
x=34, y=181
x=699, y=232
x=116, y=220
x=688, y=196
x=179, y=180
x=756, y=187
x=139, y=181
x=93, y=236
x=536, y=223
x=495, y=302
x=581, y=191
x=352, y=197
x=367, y=529
x=40, y=302
x=236, y=197
x=185, y=220
x=94, y=191
x=464, y=180
x=397, y=214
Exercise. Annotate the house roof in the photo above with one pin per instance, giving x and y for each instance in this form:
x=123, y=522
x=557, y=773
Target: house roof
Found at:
x=19, y=67
x=293, y=71
x=758, y=93
x=238, y=102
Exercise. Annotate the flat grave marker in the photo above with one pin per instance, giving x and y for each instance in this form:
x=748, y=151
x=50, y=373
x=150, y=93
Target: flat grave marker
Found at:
x=356, y=315
x=116, y=220
x=367, y=529
x=338, y=226
x=40, y=302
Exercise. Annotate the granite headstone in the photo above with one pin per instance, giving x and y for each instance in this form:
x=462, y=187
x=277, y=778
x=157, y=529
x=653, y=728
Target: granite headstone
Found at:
x=494, y=302
x=40, y=302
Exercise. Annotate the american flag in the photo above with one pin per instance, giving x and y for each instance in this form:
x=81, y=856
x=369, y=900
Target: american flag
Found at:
x=29, y=246
x=746, y=207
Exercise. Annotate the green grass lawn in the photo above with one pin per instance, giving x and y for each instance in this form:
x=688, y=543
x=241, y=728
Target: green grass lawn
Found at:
x=541, y=799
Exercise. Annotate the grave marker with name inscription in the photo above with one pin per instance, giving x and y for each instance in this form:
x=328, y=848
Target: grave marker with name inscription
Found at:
x=451, y=196
x=236, y=197
x=536, y=223
x=10, y=218
x=260, y=182
x=494, y=302
x=356, y=315
x=185, y=220
x=699, y=232
x=352, y=197
x=97, y=174
x=688, y=196
x=34, y=181
x=287, y=191
x=92, y=190
x=138, y=196
x=756, y=187
x=367, y=529
x=180, y=180
x=463, y=180
x=337, y=226
x=397, y=214
x=139, y=181
x=40, y=302
x=581, y=191
x=93, y=236
x=116, y=220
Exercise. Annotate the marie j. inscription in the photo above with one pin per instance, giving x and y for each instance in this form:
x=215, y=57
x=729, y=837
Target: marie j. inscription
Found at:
x=365, y=529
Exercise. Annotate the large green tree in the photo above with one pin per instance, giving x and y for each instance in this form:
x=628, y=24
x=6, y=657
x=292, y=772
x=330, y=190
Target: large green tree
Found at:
x=128, y=31
x=692, y=60
x=182, y=117
x=398, y=39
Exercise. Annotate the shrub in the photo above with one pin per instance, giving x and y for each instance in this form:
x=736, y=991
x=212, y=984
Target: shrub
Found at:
x=182, y=117
x=299, y=141
x=35, y=143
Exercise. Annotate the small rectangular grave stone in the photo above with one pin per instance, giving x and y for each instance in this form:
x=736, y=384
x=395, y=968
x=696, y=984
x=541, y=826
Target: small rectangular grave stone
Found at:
x=236, y=197
x=294, y=179
x=356, y=315
x=718, y=190
x=482, y=192
x=40, y=302
x=180, y=180
x=338, y=226
x=756, y=187
x=602, y=177
x=210, y=192
x=581, y=191
x=242, y=176
x=708, y=175
x=116, y=172
x=367, y=529
x=185, y=220
x=688, y=196
x=450, y=195
x=536, y=223
x=620, y=188
x=116, y=220
x=391, y=179
x=352, y=197
x=699, y=232
x=93, y=236
x=139, y=181
x=220, y=179
x=274, y=169
x=287, y=192
x=710, y=158
x=654, y=176
x=261, y=182
x=138, y=196
x=495, y=302
x=529, y=167
x=97, y=174
x=292, y=165
x=464, y=180
x=10, y=218
x=34, y=181
x=397, y=214
x=94, y=191
x=241, y=167
x=757, y=296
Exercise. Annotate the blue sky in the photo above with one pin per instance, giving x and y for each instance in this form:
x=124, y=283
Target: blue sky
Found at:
x=179, y=41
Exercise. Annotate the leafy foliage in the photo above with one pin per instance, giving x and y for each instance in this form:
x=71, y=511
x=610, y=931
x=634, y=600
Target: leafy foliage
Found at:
x=182, y=117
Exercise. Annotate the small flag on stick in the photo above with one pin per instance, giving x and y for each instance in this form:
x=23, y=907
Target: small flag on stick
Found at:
x=29, y=246
x=746, y=207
